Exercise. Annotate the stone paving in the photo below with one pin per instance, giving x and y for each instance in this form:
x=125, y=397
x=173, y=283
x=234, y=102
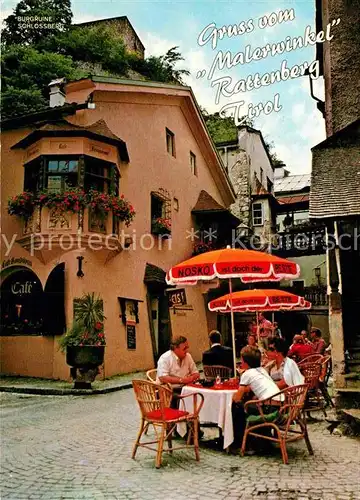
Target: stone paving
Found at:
x=68, y=447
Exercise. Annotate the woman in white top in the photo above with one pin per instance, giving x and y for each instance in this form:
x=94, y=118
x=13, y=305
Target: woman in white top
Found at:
x=283, y=370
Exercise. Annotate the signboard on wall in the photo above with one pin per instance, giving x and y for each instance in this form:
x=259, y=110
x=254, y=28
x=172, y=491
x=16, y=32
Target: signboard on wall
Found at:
x=131, y=336
x=177, y=297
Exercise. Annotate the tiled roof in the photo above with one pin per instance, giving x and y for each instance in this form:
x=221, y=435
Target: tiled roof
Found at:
x=292, y=183
x=335, y=183
x=293, y=199
x=206, y=202
x=97, y=130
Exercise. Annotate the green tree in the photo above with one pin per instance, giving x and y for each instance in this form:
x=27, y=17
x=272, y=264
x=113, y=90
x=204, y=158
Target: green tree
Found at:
x=31, y=31
x=222, y=129
x=162, y=68
x=91, y=44
x=273, y=155
x=26, y=74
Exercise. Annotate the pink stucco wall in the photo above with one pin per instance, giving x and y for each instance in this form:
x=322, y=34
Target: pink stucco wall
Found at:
x=140, y=120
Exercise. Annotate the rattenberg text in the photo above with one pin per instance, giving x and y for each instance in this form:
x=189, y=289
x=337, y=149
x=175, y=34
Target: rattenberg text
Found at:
x=227, y=88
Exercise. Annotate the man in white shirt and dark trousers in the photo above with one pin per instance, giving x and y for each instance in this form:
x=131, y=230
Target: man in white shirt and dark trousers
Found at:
x=254, y=379
x=176, y=367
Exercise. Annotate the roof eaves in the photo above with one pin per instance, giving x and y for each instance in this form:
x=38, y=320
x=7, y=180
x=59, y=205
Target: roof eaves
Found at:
x=46, y=115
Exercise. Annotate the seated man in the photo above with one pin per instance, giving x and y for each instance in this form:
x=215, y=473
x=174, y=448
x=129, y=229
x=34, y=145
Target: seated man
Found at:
x=283, y=370
x=317, y=341
x=217, y=354
x=255, y=380
x=176, y=366
x=299, y=349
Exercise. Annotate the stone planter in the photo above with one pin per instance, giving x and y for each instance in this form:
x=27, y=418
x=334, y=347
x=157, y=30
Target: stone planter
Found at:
x=84, y=362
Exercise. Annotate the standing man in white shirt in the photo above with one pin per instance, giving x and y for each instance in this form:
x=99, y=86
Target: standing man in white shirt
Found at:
x=176, y=366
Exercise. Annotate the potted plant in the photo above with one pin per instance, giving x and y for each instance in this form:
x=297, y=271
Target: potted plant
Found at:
x=84, y=342
x=161, y=225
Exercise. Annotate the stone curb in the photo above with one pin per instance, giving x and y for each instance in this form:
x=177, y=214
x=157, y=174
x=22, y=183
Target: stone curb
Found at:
x=64, y=392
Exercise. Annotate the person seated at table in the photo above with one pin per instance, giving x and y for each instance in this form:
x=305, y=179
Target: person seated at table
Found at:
x=176, y=366
x=283, y=370
x=217, y=354
x=251, y=340
x=299, y=349
x=254, y=381
x=317, y=341
x=304, y=333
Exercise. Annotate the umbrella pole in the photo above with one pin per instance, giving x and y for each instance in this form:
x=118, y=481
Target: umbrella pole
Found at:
x=232, y=326
x=257, y=327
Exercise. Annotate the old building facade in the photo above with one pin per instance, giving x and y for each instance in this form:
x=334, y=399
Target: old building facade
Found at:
x=144, y=141
x=252, y=175
x=303, y=242
x=335, y=189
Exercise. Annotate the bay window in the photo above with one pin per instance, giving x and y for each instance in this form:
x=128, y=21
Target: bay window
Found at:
x=58, y=174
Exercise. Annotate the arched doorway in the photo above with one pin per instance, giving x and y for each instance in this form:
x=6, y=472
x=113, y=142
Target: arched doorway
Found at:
x=54, y=302
x=21, y=302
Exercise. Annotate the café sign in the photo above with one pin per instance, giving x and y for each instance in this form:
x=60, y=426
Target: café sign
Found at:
x=21, y=288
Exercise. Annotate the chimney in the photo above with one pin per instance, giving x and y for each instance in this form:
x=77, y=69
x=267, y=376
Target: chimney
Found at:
x=57, y=96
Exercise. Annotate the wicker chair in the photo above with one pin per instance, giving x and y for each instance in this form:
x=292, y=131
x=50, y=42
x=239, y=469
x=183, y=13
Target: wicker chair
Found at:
x=312, y=358
x=154, y=403
x=314, y=400
x=211, y=372
x=152, y=375
x=282, y=422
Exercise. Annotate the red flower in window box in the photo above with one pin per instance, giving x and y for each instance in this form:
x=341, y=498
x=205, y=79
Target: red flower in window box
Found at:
x=161, y=225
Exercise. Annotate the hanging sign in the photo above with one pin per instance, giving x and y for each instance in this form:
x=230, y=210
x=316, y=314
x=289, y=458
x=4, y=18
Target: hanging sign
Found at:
x=177, y=297
x=131, y=335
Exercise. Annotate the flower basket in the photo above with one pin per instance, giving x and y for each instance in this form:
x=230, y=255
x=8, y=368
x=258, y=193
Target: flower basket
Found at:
x=161, y=226
x=74, y=201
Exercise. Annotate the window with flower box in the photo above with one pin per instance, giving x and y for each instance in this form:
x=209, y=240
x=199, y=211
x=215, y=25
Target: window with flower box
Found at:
x=160, y=213
x=59, y=174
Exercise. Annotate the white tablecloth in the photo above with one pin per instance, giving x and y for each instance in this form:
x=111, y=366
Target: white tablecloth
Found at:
x=216, y=410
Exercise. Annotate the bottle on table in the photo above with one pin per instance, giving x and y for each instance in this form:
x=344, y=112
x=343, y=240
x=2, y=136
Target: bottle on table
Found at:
x=218, y=380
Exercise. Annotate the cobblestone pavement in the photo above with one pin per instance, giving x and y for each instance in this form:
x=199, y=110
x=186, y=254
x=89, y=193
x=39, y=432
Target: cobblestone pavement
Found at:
x=68, y=447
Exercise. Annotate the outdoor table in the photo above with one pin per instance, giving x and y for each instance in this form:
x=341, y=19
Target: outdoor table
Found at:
x=216, y=408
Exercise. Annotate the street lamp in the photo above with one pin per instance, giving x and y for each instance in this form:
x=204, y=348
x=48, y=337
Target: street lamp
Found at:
x=318, y=274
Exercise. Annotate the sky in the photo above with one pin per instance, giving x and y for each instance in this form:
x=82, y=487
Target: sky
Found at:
x=297, y=126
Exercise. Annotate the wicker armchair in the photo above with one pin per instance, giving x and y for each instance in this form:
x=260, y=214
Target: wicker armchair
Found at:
x=154, y=403
x=211, y=372
x=152, y=375
x=314, y=400
x=282, y=422
x=312, y=358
